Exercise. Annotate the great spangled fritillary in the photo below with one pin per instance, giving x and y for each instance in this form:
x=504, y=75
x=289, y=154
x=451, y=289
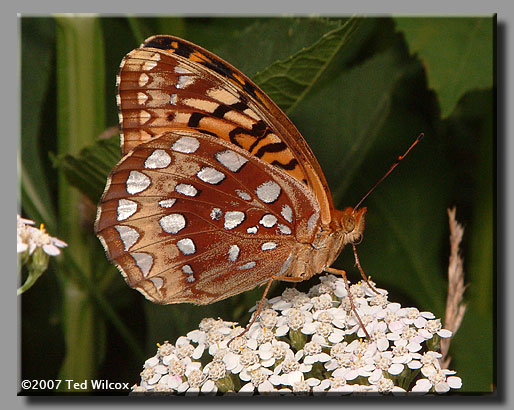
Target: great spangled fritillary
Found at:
x=217, y=191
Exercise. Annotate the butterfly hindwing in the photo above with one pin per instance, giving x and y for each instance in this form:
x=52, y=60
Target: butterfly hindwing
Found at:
x=188, y=217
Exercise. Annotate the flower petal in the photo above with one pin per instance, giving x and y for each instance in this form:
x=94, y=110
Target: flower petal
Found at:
x=454, y=382
x=51, y=250
x=395, y=368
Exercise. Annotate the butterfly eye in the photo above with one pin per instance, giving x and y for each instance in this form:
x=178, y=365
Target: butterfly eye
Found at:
x=348, y=223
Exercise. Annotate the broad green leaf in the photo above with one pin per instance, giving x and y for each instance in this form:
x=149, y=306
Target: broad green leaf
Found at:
x=284, y=38
x=88, y=170
x=456, y=51
x=343, y=131
x=287, y=82
x=143, y=28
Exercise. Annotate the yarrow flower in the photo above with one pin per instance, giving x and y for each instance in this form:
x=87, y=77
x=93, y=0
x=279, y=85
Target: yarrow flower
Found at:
x=308, y=344
x=34, y=247
x=30, y=238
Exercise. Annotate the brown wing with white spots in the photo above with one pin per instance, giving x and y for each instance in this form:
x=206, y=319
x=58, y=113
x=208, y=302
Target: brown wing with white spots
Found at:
x=188, y=217
x=169, y=83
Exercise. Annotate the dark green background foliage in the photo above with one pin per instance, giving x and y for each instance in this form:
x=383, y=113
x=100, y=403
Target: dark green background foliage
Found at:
x=359, y=90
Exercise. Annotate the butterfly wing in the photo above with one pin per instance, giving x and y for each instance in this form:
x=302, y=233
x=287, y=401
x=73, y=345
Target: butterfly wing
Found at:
x=188, y=217
x=169, y=83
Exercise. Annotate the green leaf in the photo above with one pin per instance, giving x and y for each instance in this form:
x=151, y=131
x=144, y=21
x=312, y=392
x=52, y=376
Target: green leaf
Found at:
x=360, y=98
x=287, y=82
x=457, y=53
x=284, y=38
x=88, y=170
x=143, y=28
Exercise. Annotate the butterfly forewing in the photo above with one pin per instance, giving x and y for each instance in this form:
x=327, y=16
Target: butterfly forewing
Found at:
x=188, y=217
x=170, y=84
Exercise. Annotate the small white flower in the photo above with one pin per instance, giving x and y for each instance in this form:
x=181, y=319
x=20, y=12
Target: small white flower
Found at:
x=175, y=365
x=438, y=381
x=165, y=349
x=380, y=299
x=302, y=301
x=151, y=362
x=209, y=387
x=314, y=353
x=265, y=335
x=434, y=326
x=322, y=302
x=259, y=380
x=337, y=383
x=358, y=290
x=149, y=375
x=214, y=336
x=248, y=357
x=184, y=348
x=268, y=318
x=384, y=363
x=385, y=385
x=301, y=387
x=29, y=238
x=289, y=294
x=328, y=285
x=195, y=378
x=324, y=329
x=295, y=319
x=430, y=359
x=171, y=381
x=209, y=323
x=215, y=370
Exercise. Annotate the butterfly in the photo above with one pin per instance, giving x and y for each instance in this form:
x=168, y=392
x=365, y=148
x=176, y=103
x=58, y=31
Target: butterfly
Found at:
x=217, y=192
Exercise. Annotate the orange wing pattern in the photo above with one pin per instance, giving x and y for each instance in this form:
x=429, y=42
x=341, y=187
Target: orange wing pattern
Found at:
x=169, y=83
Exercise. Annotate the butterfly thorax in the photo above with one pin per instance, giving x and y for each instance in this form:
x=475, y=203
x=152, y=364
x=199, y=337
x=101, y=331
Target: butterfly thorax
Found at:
x=314, y=257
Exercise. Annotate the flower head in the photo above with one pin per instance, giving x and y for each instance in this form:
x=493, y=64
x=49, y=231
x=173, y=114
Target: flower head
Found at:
x=34, y=248
x=30, y=238
x=308, y=343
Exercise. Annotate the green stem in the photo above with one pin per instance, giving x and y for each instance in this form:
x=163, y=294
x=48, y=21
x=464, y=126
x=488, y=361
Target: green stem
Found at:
x=31, y=279
x=104, y=305
x=80, y=118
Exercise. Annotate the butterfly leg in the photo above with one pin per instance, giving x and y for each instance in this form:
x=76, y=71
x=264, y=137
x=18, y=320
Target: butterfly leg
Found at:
x=350, y=297
x=261, y=303
x=358, y=263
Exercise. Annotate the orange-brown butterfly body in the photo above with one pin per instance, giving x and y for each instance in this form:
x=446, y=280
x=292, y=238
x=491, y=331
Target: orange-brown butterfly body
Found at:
x=217, y=191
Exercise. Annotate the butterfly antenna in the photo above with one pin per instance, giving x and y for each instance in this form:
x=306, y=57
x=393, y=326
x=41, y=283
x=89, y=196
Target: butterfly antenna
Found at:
x=420, y=137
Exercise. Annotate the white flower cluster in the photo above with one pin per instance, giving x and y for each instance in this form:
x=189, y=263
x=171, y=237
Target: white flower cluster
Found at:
x=307, y=344
x=30, y=238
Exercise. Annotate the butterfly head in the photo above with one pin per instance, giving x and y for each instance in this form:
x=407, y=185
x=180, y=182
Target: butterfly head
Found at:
x=351, y=222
